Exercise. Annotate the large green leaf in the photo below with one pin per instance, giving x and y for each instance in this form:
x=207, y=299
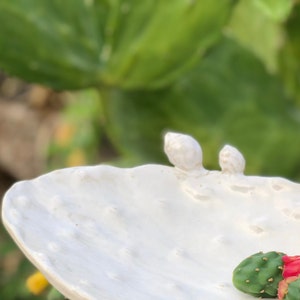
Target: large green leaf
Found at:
x=129, y=44
x=290, y=55
x=257, y=31
x=55, y=42
x=278, y=10
x=228, y=98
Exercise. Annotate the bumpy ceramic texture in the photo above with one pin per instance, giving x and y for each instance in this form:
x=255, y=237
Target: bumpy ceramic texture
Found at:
x=152, y=232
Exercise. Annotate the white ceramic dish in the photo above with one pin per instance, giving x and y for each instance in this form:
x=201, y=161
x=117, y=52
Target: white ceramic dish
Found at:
x=152, y=232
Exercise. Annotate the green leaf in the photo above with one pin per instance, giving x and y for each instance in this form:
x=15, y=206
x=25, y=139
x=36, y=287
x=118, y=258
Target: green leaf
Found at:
x=74, y=44
x=290, y=55
x=53, y=42
x=228, y=98
x=156, y=41
x=257, y=31
x=278, y=10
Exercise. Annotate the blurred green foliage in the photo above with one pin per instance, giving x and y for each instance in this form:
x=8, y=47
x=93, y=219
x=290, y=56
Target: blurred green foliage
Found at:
x=234, y=101
x=76, y=140
x=14, y=270
x=223, y=71
x=131, y=44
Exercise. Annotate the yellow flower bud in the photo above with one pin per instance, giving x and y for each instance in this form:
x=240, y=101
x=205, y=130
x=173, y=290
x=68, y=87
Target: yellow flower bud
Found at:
x=36, y=283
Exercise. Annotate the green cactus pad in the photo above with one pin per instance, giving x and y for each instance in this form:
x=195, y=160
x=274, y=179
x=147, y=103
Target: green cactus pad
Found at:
x=259, y=274
x=74, y=44
x=293, y=291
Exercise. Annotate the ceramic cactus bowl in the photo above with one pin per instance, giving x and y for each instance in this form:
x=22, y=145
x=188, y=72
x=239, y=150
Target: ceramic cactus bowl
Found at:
x=152, y=232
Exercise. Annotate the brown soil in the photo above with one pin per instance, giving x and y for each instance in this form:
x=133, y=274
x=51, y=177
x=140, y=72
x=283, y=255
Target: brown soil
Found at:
x=28, y=115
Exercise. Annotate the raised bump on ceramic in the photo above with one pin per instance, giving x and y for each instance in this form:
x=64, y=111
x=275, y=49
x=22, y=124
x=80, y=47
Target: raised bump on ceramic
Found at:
x=183, y=151
x=231, y=160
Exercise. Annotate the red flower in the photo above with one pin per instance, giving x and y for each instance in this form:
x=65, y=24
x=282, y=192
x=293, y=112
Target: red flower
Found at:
x=291, y=266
